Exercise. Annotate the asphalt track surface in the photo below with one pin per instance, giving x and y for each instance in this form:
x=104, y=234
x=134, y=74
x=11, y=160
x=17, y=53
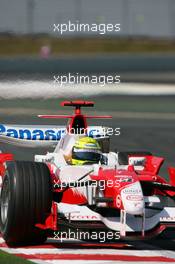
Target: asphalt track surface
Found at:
x=152, y=134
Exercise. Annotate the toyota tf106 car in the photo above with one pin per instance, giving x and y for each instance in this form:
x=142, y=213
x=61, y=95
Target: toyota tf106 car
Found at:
x=83, y=186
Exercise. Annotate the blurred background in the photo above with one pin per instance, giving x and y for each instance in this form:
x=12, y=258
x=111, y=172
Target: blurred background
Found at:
x=145, y=43
x=142, y=53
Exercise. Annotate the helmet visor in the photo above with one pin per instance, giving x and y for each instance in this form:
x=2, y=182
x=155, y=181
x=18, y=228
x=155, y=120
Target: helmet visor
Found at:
x=86, y=154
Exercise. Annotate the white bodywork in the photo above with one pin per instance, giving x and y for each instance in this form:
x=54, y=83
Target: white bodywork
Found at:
x=134, y=210
x=133, y=224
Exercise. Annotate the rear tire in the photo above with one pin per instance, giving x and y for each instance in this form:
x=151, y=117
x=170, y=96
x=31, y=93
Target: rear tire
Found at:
x=26, y=199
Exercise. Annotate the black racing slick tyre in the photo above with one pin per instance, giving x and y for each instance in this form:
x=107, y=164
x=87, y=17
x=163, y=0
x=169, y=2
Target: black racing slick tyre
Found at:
x=26, y=199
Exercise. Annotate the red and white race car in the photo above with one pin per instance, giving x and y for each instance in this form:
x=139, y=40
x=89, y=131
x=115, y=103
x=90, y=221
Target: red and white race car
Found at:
x=121, y=195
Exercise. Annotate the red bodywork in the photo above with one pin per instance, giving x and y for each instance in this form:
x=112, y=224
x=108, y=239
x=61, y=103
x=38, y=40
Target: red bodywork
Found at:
x=113, y=187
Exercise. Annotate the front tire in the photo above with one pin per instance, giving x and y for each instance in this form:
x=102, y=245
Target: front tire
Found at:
x=26, y=199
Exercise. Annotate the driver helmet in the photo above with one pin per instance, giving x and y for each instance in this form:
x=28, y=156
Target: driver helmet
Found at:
x=86, y=150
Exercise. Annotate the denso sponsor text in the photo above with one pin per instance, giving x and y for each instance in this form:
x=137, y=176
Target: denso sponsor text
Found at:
x=132, y=191
x=134, y=197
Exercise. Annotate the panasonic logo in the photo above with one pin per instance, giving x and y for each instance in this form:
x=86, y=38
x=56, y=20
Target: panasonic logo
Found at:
x=34, y=133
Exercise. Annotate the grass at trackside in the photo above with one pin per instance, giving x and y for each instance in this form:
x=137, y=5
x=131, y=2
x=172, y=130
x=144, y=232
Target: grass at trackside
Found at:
x=159, y=104
x=28, y=45
x=6, y=258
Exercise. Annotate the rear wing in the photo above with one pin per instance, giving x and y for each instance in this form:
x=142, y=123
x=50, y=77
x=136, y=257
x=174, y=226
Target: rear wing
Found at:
x=77, y=121
x=45, y=136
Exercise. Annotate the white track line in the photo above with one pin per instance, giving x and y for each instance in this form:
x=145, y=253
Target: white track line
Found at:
x=154, y=251
x=165, y=253
x=38, y=261
x=33, y=251
x=47, y=89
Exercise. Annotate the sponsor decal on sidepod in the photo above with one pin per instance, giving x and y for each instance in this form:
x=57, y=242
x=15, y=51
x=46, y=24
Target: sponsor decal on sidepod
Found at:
x=39, y=133
x=134, y=197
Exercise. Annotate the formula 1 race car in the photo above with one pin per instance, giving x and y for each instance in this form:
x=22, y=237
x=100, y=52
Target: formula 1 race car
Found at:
x=84, y=188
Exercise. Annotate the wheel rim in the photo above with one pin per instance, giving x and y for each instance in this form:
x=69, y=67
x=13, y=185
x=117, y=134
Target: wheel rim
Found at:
x=4, y=201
